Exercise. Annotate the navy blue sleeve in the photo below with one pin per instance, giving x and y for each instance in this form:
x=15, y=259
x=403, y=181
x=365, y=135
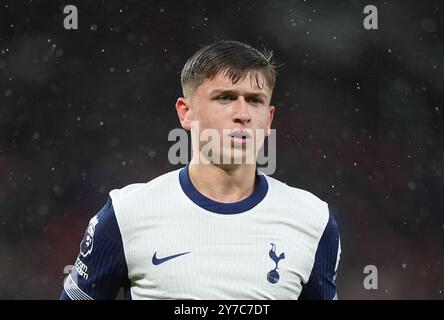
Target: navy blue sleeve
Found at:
x=100, y=269
x=321, y=284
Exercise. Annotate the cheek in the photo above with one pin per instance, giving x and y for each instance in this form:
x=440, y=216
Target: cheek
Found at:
x=213, y=116
x=263, y=118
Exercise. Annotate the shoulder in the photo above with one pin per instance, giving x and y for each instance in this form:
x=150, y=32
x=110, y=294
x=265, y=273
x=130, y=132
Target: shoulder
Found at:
x=136, y=190
x=297, y=197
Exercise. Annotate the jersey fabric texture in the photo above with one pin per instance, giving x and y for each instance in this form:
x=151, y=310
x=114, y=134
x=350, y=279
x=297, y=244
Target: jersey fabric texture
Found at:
x=165, y=240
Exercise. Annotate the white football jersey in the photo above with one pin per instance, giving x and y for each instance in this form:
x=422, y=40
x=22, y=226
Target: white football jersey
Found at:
x=165, y=240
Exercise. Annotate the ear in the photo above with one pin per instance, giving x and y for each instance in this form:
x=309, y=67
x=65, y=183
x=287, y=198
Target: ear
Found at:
x=270, y=118
x=184, y=112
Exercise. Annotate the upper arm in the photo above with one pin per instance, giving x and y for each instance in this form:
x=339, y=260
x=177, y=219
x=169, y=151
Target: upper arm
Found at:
x=100, y=269
x=321, y=284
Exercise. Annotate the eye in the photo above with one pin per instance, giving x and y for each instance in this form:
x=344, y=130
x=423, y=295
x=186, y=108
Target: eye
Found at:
x=223, y=98
x=255, y=100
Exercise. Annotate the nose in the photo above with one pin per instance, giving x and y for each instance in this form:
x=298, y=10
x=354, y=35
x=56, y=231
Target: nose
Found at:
x=241, y=114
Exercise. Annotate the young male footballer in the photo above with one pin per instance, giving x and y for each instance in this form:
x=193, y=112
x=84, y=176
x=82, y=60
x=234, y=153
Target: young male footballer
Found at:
x=216, y=228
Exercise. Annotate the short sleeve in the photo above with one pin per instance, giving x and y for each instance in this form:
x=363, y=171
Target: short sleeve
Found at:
x=321, y=284
x=100, y=269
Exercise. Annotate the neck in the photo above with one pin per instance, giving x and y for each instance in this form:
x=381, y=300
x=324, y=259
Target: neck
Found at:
x=223, y=183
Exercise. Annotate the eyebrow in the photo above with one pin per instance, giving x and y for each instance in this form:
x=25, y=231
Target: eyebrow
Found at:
x=236, y=93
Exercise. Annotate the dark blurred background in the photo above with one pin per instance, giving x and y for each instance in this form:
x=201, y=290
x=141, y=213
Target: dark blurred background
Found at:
x=359, y=123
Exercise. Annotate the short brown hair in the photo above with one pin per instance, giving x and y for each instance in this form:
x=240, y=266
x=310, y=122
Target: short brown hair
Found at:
x=234, y=58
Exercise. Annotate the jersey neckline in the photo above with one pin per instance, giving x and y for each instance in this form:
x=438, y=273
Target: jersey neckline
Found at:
x=208, y=204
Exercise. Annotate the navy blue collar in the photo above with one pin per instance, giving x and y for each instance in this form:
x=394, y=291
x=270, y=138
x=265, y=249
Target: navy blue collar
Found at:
x=202, y=201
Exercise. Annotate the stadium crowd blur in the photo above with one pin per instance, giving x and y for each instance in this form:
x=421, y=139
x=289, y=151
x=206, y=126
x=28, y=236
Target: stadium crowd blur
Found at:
x=359, y=123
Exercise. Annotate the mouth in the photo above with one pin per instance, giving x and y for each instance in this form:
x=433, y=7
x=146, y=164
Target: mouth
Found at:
x=239, y=136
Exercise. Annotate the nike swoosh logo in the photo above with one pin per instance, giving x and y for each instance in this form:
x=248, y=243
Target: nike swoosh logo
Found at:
x=156, y=261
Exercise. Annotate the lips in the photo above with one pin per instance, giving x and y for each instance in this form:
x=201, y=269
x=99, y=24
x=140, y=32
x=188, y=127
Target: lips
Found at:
x=240, y=134
x=239, y=137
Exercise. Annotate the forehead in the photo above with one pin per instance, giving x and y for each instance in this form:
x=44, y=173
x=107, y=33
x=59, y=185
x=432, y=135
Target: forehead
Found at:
x=253, y=81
